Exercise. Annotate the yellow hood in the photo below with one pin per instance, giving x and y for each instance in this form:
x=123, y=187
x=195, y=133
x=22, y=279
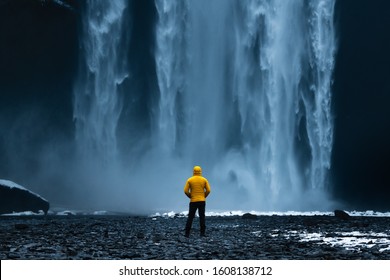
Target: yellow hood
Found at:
x=197, y=171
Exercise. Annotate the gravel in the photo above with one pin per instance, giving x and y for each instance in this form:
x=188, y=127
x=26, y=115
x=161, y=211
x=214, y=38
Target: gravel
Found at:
x=236, y=237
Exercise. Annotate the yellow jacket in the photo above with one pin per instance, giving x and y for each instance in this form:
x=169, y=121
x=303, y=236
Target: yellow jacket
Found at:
x=197, y=187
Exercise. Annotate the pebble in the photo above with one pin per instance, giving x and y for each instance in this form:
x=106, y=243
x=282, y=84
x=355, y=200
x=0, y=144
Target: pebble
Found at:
x=21, y=226
x=123, y=237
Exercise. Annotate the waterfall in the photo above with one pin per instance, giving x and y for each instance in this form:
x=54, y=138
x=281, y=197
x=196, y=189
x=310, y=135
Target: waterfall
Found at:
x=245, y=90
x=97, y=103
x=190, y=60
x=171, y=64
x=320, y=123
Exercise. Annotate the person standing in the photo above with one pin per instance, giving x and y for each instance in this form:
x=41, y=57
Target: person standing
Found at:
x=197, y=188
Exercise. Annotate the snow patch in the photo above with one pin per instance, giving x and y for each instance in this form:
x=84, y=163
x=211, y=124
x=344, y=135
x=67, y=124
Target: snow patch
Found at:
x=12, y=185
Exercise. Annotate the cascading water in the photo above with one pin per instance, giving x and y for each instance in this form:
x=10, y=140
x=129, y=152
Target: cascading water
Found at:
x=323, y=48
x=97, y=104
x=171, y=65
x=246, y=86
x=244, y=91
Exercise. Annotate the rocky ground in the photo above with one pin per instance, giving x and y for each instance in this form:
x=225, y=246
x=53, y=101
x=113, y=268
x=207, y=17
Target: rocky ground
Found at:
x=253, y=237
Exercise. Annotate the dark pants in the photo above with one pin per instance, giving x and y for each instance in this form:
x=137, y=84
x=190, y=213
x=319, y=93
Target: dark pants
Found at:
x=201, y=207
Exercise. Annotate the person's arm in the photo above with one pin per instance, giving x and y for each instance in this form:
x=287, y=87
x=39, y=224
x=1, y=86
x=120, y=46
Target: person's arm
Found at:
x=207, y=189
x=187, y=189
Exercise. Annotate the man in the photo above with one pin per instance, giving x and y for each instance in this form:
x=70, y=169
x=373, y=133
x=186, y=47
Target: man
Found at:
x=197, y=188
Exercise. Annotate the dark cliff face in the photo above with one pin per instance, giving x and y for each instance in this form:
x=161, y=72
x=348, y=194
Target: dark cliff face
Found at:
x=39, y=49
x=38, y=54
x=361, y=155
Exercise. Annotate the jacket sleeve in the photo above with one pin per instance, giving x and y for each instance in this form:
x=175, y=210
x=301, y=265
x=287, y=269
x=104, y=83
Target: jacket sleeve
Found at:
x=208, y=189
x=187, y=189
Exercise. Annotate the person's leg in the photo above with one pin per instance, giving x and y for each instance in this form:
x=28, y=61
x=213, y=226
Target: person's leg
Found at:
x=202, y=217
x=191, y=215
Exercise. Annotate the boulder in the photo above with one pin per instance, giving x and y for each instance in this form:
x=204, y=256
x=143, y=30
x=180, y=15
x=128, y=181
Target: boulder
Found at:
x=249, y=216
x=341, y=214
x=15, y=198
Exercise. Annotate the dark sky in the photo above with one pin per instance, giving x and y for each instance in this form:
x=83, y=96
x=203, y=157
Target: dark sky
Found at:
x=39, y=50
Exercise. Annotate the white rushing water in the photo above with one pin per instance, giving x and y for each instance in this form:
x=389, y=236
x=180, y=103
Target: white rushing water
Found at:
x=245, y=90
x=97, y=105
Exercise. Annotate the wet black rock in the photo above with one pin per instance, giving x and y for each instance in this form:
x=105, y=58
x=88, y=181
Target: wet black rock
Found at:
x=21, y=226
x=249, y=216
x=140, y=235
x=341, y=214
